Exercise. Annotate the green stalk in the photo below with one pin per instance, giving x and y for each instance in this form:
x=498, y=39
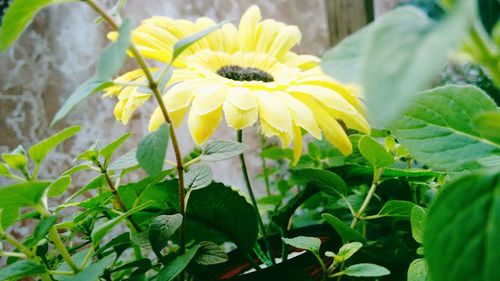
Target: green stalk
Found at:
x=377, y=173
x=252, y=198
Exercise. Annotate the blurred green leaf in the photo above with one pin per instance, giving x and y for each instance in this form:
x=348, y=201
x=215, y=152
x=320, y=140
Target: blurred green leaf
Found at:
x=20, y=269
x=365, y=270
x=348, y=250
x=16, y=159
x=18, y=16
x=93, y=271
x=175, y=267
x=210, y=253
x=126, y=161
x=418, y=271
x=329, y=182
x=38, y=151
x=417, y=219
x=463, y=228
x=108, y=150
x=198, y=176
x=277, y=153
x=8, y=216
x=42, y=228
x=152, y=149
x=488, y=125
x=395, y=208
x=161, y=228
x=185, y=42
x=347, y=233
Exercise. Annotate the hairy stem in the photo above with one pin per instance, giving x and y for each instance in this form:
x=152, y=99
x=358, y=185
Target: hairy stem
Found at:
x=252, y=198
x=58, y=243
x=153, y=85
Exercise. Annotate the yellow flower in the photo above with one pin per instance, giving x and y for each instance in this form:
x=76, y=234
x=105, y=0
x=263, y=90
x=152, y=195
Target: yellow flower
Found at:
x=244, y=74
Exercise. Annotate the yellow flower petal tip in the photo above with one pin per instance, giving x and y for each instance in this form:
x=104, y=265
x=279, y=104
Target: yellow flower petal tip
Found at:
x=246, y=74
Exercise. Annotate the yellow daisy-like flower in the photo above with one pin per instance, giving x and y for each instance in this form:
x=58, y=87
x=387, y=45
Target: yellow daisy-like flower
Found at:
x=243, y=74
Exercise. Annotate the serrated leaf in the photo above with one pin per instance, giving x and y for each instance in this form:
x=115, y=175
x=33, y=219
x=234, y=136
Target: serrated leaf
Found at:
x=20, y=269
x=417, y=219
x=396, y=208
x=161, y=228
x=329, y=182
x=93, y=271
x=366, y=270
x=22, y=194
x=18, y=16
x=221, y=149
x=152, y=149
x=210, y=253
x=175, y=267
x=375, y=153
x=348, y=250
x=418, y=271
x=126, y=161
x=438, y=131
x=108, y=150
x=111, y=60
x=185, y=42
x=101, y=230
x=198, y=176
x=38, y=151
x=311, y=244
x=58, y=186
x=347, y=233
x=462, y=229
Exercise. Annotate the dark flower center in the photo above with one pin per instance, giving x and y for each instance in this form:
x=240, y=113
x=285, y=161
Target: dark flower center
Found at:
x=238, y=73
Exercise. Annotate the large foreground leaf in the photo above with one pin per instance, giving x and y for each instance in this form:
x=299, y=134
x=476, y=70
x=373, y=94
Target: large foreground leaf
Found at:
x=438, y=128
x=463, y=230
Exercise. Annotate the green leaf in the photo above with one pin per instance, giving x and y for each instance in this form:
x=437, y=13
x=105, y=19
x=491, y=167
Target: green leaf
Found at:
x=42, y=228
x=347, y=233
x=175, y=267
x=221, y=149
x=38, y=151
x=18, y=16
x=101, y=230
x=348, y=250
x=89, y=87
x=93, y=271
x=210, y=253
x=311, y=244
x=8, y=216
x=463, y=229
x=375, y=153
x=488, y=125
x=20, y=269
x=418, y=50
x=396, y=208
x=198, y=176
x=16, y=159
x=328, y=182
x=152, y=149
x=108, y=150
x=22, y=194
x=59, y=186
x=161, y=228
x=4, y=170
x=126, y=161
x=366, y=270
x=76, y=169
x=91, y=154
x=111, y=60
x=277, y=153
x=220, y=209
x=417, y=219
x=185, y=42
x=97, y=182
x=418, y=271
x=437, y=128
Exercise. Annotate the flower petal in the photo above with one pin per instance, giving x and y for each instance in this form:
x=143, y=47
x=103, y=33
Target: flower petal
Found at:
x=230, y=37
x=240, y=108
x=273, y=112
x=286, y=39
x=248, y=28
x=208, y=98
x=202, y=127
x=297, y=144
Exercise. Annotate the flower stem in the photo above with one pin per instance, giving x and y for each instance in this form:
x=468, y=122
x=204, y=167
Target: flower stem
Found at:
x=153, y=85
x=252, y=198
x=377, y=173
x=54, y=236
x=264, y=167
